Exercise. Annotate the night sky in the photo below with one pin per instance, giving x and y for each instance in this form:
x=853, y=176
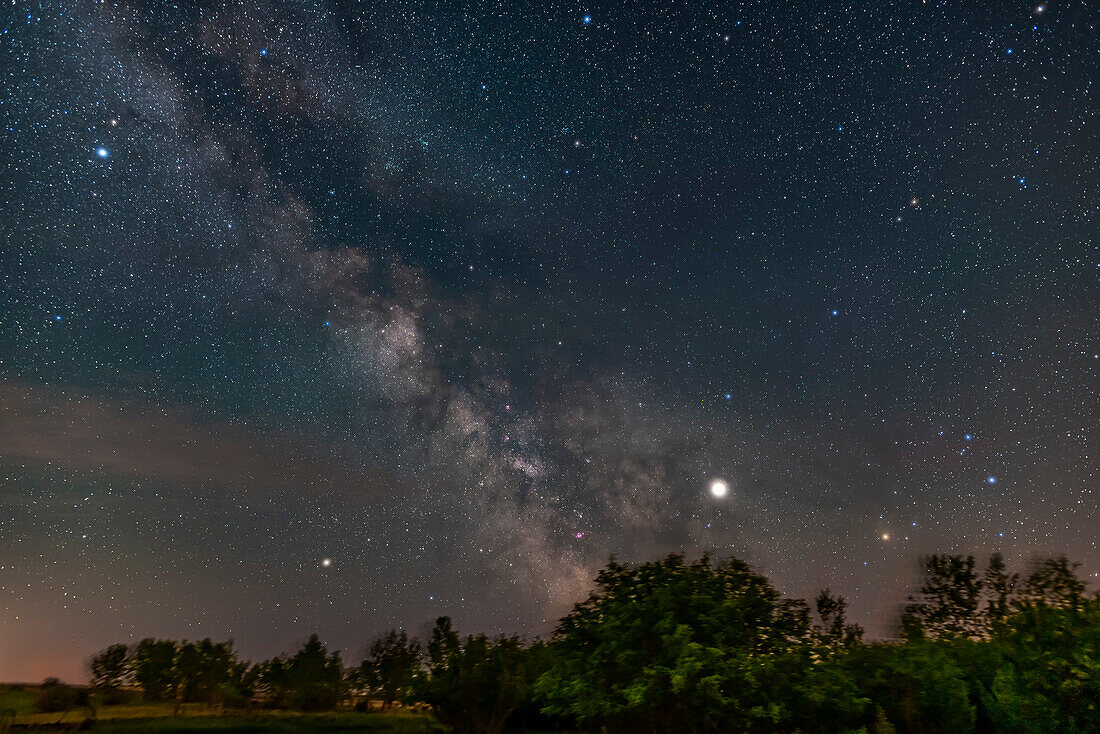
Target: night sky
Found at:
x=339, y=316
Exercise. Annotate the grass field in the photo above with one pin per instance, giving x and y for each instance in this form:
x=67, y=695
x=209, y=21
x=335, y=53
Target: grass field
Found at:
x=334, y=723
x=18, y=700
x=17, y=711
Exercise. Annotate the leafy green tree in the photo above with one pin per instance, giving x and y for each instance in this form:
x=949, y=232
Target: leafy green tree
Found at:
x=1046, y=665
x=273, y=682
x=1053, y=582
x=478, y=683
x=672, y=646
x=153, y=665
x=1000, y=589
x=110, y=668
x=392, y=667
x=443, y=644
x=917, y=685
x=314, y=679
x=207, y=672
x=948, y=601
x=834, y=630
x=54, y=696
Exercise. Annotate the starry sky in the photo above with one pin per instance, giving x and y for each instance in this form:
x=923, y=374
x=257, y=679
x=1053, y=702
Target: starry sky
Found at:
x=336, y=315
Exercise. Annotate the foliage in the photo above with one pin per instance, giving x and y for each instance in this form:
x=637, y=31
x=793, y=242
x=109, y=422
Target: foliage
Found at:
x=209, y=672
x=949, y=601
x=53, y=695
x=475, y=684
x=918, y=686
x=834, y=630
x=672, y=646
x=953, y=601
x=391, y=668
x=153, y=665
x=1047, y=675
x=310, y=680
x=1000, y=587
x=110, y=668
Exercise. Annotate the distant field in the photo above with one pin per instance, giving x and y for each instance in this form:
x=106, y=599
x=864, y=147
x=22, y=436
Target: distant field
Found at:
x=17, y=708
x=16, y=699
x=334, y=723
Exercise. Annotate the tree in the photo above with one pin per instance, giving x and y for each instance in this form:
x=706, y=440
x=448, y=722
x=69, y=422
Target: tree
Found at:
x=391, y=667
x=1047, y=668
x=442, y=644
x=917, y=685
x=207, y=672
x=54, y=696
x=948, y=601
x=1000, y=588
x=273, y=682
x=476, y=684
x=1054, y=582
x=672, y=646
x=314, y=679
x=110, y=668
x=153, y=664
x=834, y=630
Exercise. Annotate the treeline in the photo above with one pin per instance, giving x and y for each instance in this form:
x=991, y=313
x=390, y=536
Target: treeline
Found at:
x=703, y=646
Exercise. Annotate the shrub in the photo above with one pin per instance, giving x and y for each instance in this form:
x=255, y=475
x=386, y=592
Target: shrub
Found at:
x=53, y=696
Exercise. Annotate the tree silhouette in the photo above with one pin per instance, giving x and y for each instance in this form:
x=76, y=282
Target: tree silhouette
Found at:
x=392, y=667
x=153, y=665
x=110, y=668
x=1000, y=589
x=670, y=646
x=701, y=647
x=1054, y=582
x=948, y=601
x=315, y=678
x=477, y=683
x=833, y=613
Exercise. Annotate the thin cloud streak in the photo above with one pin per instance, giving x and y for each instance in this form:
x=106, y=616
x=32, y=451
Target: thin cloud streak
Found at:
x=123, y=437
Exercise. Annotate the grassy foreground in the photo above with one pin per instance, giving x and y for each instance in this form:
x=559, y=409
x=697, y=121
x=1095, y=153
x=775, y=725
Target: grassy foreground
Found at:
x=275, y=723
x=17, y=712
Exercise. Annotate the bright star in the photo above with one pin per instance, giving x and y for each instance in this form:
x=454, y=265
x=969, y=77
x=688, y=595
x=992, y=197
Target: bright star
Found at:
x=587, y=19
x=326, y=562
x=991, y=479
x=103, y=153
x=263, y=52
x=719, y=488
x=1008, y=51
x=729, y=396
x=834, y=312
x=967, y=437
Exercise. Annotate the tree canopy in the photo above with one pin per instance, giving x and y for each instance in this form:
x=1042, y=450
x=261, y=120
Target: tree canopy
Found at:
x=694, y=646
